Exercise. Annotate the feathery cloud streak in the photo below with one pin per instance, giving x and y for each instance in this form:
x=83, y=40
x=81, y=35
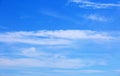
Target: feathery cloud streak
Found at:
x=31, y=57
x=90, y=4
x=79, y=71
x=95, y=17
x=57, y=37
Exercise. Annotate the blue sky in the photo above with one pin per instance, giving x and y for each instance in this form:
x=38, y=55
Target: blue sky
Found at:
x=59, y=38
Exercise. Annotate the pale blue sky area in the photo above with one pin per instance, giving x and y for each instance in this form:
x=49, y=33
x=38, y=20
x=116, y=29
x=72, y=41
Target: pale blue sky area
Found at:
x=59, y=38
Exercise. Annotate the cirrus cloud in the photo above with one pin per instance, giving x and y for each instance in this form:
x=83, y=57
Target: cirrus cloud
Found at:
x=90, y=4
x=56, y=37
x=31, y=57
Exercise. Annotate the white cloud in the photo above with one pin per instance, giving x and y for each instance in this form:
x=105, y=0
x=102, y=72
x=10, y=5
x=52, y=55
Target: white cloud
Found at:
x=90, y=4
x=30, y=39
x=58, y=15
x=20, y=62
x=45, y=62
x=35, y=58
x=53, y=14
x=53, y=63
x=92, y=71
x=32, y=52
x=79, y=71
x=57, y=37
x=94, y=17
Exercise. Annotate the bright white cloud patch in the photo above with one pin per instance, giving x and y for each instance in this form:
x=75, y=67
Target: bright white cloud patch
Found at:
x=57, y=37
x=32, y=52
x=94, y=17
x=90, y=4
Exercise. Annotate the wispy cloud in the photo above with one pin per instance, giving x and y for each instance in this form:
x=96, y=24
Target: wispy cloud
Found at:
x=31, y=38
x=79, y=71
x=57, y=15
x=95, y=17
x=30, y=62
x=90, y=4
x=57, y=37
x=48, y=60
x=53, y=14
x=32, y=52
x=32, y=57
